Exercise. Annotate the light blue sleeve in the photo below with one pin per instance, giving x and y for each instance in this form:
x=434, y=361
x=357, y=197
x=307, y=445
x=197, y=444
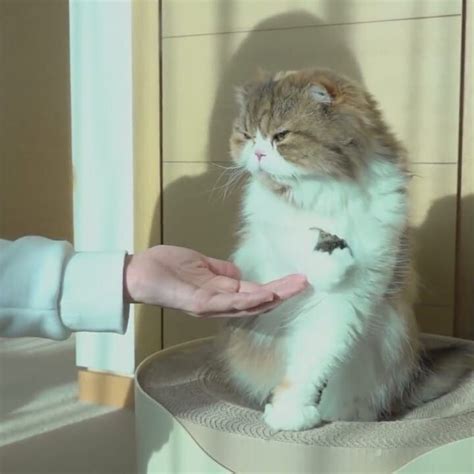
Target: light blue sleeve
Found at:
x=48, y=290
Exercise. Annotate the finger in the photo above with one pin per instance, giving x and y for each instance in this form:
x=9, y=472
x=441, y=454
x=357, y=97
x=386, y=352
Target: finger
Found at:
x=232, y=285
x=214, y=302
x=263, y=308
x=288, y=286
x=223, y=267
x=249, y=286
x=222, y=283
x=284, y=288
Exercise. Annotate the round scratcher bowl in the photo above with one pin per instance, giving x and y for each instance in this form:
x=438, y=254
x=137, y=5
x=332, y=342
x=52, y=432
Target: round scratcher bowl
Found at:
x=190, y=420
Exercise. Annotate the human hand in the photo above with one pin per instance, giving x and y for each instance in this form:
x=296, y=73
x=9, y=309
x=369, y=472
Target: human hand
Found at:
x=180, y=278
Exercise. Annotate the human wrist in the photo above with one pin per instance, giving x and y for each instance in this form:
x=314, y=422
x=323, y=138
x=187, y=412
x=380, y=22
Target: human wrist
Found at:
x=129, y=280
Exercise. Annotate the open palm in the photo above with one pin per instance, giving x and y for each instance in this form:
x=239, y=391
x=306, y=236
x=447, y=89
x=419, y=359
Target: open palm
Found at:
x=184, y=279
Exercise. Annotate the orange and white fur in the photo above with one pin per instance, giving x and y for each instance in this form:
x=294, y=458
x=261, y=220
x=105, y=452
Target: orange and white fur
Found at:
x=321, y=159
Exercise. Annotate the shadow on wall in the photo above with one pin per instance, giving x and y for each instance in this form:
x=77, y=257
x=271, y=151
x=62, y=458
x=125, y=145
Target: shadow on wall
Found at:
x=435, y=257
x=194, y=214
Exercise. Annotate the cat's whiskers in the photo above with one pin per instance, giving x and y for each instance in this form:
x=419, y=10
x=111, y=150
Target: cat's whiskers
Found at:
x=233, y=175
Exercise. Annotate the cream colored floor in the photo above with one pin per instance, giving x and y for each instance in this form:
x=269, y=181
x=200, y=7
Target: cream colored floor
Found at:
x=43, y=428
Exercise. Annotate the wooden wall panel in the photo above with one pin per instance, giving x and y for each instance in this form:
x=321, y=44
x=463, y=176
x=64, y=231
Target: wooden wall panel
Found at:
x=412, y=68
x=193, y=17
x=464, y=308
x=435, y=319
x=197, y=216
x=195, y=212
x=179, y=327
x=406, y=53
x=146, y=153
x=433, y=211
x=36, y=180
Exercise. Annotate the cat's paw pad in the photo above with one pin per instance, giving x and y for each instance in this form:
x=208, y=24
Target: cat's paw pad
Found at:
x=328, y=269
x=285, y=416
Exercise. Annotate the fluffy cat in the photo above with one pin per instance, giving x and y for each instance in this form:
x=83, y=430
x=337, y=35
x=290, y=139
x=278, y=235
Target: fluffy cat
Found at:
x=327, y=197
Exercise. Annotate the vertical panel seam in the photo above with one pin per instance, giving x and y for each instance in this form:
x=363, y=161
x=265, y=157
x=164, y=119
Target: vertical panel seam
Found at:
x=160, y=93
x=457, y=251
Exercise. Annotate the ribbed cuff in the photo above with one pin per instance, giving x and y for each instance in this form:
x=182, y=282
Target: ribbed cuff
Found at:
x=92, y=294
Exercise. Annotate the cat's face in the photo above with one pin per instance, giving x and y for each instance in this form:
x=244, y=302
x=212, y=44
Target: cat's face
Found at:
x=302, y=124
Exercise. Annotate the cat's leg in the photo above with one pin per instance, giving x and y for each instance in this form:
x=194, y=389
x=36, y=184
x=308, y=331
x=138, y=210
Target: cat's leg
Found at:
x=244, y=258
x=349, y=393
x=316, y=345
x=256, y=261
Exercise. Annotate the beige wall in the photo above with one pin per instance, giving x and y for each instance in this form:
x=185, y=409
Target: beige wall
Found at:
x=35, y=158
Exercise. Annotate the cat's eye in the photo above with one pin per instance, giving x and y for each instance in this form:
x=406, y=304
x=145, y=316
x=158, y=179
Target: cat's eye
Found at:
x=246, y=135
x=280, y=136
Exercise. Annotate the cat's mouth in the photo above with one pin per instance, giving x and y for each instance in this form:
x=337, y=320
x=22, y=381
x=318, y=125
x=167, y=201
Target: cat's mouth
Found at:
x=268, y=175
x=280, y=185
x=279, y=178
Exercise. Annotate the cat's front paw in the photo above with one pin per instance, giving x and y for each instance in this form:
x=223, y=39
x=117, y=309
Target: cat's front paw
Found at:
x=288, y=416
x=329, y=269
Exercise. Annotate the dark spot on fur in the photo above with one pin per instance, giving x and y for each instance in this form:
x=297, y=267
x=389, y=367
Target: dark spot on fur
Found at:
x=329, y=242
x=320, y=392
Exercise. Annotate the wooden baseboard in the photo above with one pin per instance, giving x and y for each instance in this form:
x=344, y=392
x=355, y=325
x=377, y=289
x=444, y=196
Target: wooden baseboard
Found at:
x=105, y=389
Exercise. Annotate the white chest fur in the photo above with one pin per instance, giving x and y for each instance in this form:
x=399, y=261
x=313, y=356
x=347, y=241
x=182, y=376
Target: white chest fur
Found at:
x=282, y=237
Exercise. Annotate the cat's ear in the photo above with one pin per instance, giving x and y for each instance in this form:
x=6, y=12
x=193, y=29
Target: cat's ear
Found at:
x=321, y=94
x=282, y=74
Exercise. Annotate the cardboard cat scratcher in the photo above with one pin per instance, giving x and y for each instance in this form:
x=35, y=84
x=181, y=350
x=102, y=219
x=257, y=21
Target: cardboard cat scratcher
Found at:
x=189, y=420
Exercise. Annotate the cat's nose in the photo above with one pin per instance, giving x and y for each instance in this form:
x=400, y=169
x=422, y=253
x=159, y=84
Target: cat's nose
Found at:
x=259, y=154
